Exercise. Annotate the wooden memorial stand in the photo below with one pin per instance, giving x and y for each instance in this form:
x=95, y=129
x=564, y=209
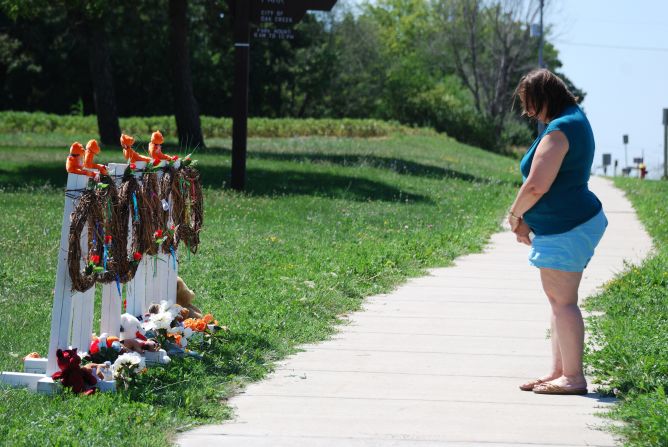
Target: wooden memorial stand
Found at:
x=73, y=312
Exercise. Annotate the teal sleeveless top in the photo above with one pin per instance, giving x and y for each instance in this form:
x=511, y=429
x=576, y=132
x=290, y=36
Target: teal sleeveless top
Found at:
x=569, y=202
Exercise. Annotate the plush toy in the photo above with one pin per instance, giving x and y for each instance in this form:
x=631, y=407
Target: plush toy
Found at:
x=155, y=148
x=132, y=335
x=131, y=327
x=72, y=375
x=74, y=164
x=185, y=298
x=104, y=371
x=92, y=149
x=130, y=155
x=105, y=342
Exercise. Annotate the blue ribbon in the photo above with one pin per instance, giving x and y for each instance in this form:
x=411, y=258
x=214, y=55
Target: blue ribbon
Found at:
x=105, y=257
x=118, y=285
x=134, y=203
x=173, y=256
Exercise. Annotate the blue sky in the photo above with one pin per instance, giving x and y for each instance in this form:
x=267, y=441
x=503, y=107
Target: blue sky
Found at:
x=617, y=51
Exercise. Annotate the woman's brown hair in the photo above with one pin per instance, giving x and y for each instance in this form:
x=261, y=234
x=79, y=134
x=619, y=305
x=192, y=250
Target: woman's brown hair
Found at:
x=541, y=88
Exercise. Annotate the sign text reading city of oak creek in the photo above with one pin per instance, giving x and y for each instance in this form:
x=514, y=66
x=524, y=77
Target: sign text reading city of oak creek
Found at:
x=270, y=13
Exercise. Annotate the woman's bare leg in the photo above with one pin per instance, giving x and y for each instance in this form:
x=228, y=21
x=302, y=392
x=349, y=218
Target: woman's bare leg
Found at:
x=557, y=366
x=561, y=289
x=557, y=369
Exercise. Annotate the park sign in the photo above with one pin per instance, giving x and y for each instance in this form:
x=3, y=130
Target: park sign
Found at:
x=274, y=19
x=285, y=12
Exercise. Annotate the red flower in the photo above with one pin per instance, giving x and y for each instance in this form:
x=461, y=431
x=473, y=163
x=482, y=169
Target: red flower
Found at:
x=133, y=166
x=172, y=228
x=158, y=234
x=136, y=256
x=95, y=259
x=156, y=162
x=176, y=157
x=107, y=239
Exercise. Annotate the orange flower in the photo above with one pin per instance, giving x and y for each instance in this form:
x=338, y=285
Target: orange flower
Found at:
x=195, y=324
x=208, y=318
x=176, y=337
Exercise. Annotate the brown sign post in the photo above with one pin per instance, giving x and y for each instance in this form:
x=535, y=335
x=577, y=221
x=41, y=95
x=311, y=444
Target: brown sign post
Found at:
x=271, y=16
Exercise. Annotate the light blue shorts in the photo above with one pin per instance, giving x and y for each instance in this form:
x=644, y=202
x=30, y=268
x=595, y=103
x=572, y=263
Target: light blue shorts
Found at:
x=569, y=251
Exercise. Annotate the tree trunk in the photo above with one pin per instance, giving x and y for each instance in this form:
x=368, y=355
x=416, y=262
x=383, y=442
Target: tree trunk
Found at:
x=186, y=109
x=99, y=63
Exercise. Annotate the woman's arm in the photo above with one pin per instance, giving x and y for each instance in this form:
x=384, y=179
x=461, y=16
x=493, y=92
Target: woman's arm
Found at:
x=547, y=160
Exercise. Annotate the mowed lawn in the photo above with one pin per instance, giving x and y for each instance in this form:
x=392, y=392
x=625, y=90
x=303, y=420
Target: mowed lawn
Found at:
x=323, y=223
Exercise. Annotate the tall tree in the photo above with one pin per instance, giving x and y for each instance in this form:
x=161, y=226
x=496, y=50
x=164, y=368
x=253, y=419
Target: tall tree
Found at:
x=185, y=105
x=490, y=48
x=83, y=18
x=101, y=75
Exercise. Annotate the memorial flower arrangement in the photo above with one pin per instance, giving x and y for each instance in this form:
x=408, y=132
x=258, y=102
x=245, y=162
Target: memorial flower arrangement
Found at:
x=127, y=367
x=165, y=324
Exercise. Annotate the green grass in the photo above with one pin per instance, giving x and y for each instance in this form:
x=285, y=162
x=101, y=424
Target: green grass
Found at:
x=631, y=359
x=324, y=222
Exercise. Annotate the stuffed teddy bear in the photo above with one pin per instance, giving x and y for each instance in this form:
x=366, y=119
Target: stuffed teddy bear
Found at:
x=132, y=335
x=72, y=375
x=185, y=298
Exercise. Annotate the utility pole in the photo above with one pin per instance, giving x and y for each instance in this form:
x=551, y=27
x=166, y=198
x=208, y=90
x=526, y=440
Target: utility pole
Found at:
x=541, y=63
x=240, y=119
x=665, y=144
x=625, y=138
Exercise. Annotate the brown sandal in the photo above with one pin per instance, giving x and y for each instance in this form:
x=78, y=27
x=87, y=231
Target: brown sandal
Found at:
x=529, y=386
x=551, y=388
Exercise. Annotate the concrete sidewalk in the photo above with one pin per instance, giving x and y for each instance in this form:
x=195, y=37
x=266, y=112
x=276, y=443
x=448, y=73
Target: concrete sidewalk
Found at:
x=437, y=361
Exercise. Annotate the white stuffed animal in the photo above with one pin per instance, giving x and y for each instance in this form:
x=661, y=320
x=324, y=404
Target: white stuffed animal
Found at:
x=130, y=327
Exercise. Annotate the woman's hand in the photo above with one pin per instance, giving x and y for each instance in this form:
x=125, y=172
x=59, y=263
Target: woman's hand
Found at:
x=522, y=231
x=514, y=221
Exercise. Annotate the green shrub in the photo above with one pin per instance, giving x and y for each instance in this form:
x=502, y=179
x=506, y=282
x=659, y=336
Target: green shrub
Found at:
x=212, y=127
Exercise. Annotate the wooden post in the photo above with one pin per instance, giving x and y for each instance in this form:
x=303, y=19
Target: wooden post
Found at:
x=240, y=120
x=135, y=291
x=83, y=307
x=61, y=316
x=154, y=281
x=172, y=263
x=112, y=301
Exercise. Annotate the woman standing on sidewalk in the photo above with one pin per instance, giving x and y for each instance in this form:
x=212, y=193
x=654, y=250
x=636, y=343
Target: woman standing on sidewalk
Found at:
x=567, y=219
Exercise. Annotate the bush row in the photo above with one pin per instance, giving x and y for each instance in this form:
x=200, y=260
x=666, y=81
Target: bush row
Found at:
x=212, y=127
